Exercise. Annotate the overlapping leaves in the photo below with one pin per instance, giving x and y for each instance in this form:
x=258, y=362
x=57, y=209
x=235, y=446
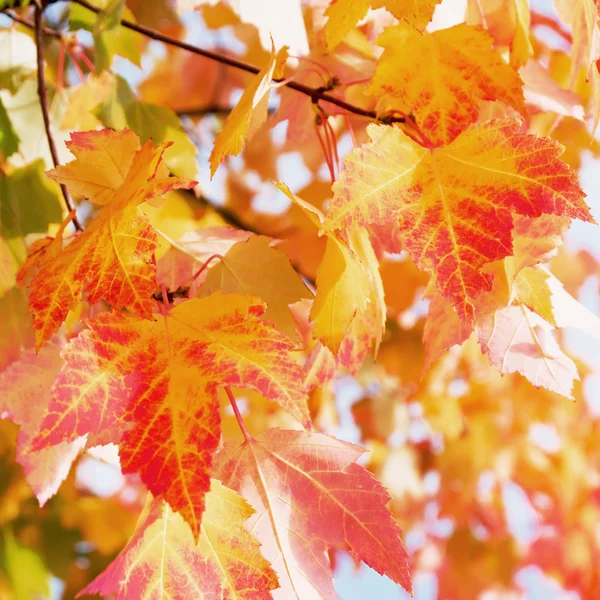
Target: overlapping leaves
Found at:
x=151, y=386
x=452, y=208
x=112, y=258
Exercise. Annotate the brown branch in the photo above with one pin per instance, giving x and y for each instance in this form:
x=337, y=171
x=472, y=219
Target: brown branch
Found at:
x=17, y=19
x=209, y=109
x=229, y=216
x=315, y=94
x=43, y=94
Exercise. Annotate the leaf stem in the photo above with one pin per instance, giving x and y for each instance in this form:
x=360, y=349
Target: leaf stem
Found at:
x=238, y=415
x=43, y=95
x=166, y=305
x=76, y=65
x=203, y=267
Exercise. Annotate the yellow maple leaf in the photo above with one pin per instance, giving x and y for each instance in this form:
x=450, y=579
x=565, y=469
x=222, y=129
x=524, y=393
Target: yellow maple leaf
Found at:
x=345, y=14
x=249, y=113
x=348, y=282
x=102, y=163
x=253, y=267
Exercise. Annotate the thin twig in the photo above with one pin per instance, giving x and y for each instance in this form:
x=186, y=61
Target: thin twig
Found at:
x=315, y=94
x=43, y=95
x=17, y=19
x=229, y=216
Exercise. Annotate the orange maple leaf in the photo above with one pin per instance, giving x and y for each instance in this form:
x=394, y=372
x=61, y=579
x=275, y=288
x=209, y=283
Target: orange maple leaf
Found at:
x=447, y=76
x=454, y=206
x=151, y=385
x=310, y=495
x=162, y=559
x=113, y=257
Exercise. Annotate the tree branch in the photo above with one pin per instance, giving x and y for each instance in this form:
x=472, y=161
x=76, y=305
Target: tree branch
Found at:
x=17, y=19
x=210, y=109
x=43, y=95
x=315, y=94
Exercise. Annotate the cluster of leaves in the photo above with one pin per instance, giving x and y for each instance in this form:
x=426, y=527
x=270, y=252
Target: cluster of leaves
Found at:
x=195, y=339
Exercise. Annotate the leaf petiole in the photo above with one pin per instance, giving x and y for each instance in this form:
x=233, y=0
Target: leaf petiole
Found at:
x=238, y=415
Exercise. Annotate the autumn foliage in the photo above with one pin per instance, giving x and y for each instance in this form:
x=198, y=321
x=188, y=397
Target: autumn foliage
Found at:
x=285, y=280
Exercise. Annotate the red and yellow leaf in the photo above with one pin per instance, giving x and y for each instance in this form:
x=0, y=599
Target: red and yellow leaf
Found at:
x=102, y=162
x=113, y=258
x=310, y=495
x=454, y=206
x=151, y=385
x=162, y=559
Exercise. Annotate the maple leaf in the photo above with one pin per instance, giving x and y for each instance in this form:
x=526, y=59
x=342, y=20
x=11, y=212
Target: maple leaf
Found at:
x=516, y=339
x=152, y=386
x=163, y=560
x=102, y=162
x=545, y=295
x=345, y=14
x=537, y=240
x=509, y=22
x=254, y=267
x=466, y=68
x=454, y=206
x=24, y=396
x=443, y=329
x=249, y=113
x=112, y=258
x=348, y=283
x=310, y=495
x=182, y=261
